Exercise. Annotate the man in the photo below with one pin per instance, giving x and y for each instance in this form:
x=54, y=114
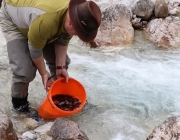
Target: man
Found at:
x=36, y=30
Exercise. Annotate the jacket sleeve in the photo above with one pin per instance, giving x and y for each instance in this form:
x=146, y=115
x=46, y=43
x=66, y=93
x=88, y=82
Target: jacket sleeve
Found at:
x=63, y=40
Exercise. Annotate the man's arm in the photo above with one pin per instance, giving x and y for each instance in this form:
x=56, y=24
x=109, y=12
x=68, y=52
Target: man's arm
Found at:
x=61, y=70
x=38, y=60
x=39, y=63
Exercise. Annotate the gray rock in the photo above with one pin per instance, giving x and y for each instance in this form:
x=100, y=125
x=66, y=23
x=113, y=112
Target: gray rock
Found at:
x=161, y=9
x=143, y=9
x=64, y=129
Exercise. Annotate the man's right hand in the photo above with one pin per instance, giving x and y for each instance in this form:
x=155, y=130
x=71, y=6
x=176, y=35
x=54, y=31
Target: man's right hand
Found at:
x=45, y=80
x=62, y=73
x=49, y=83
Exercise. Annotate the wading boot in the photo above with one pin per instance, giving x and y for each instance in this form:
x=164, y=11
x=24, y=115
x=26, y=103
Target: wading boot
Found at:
x=20, y=104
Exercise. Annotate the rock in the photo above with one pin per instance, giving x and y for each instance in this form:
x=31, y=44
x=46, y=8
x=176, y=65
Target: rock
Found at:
x=161, y=9
x=44, y=129
x=164, y=32
x=143, y=9
x=169, y=130
x=116, y=27
x=6, y=128
x=93, y=44
x=64, y=129
x=30, y=123
x=174, y=7
x=29, y=135
x=43, y=137
x=138, y=23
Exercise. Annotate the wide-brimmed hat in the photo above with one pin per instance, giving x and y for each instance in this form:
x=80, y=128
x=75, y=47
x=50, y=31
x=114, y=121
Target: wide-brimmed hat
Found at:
x=85, y=17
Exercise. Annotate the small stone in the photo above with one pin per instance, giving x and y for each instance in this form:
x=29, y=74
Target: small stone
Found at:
x=30, y=135
x=31, y=123
x=44, y=129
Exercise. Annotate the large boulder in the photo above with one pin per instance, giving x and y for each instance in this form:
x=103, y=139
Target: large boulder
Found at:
x=116, y=27
x=164, y=32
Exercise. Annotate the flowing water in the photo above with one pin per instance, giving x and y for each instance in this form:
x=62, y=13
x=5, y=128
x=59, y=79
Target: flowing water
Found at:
x=130, y=90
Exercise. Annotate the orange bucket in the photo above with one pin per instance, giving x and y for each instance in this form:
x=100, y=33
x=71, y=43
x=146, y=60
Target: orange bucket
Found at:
x=48, y=110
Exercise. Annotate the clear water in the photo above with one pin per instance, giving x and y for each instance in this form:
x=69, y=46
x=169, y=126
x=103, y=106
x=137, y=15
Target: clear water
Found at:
x=130, y=90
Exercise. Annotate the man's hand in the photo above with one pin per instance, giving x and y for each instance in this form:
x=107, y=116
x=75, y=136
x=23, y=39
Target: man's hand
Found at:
x=49, y=83
x=45, y=80
x=62, y=73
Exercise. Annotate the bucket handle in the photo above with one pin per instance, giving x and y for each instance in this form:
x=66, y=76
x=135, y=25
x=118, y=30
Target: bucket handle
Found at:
x=51, y=77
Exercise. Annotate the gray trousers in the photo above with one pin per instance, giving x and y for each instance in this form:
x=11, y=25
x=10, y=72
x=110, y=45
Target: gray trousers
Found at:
x=23, y=69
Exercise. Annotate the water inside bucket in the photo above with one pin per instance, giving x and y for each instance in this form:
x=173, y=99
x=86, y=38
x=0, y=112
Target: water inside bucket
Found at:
x=66, y=102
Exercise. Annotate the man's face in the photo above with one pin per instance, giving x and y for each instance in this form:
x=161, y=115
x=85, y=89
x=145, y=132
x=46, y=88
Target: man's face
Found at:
x=68, y=27
x=71, y=30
